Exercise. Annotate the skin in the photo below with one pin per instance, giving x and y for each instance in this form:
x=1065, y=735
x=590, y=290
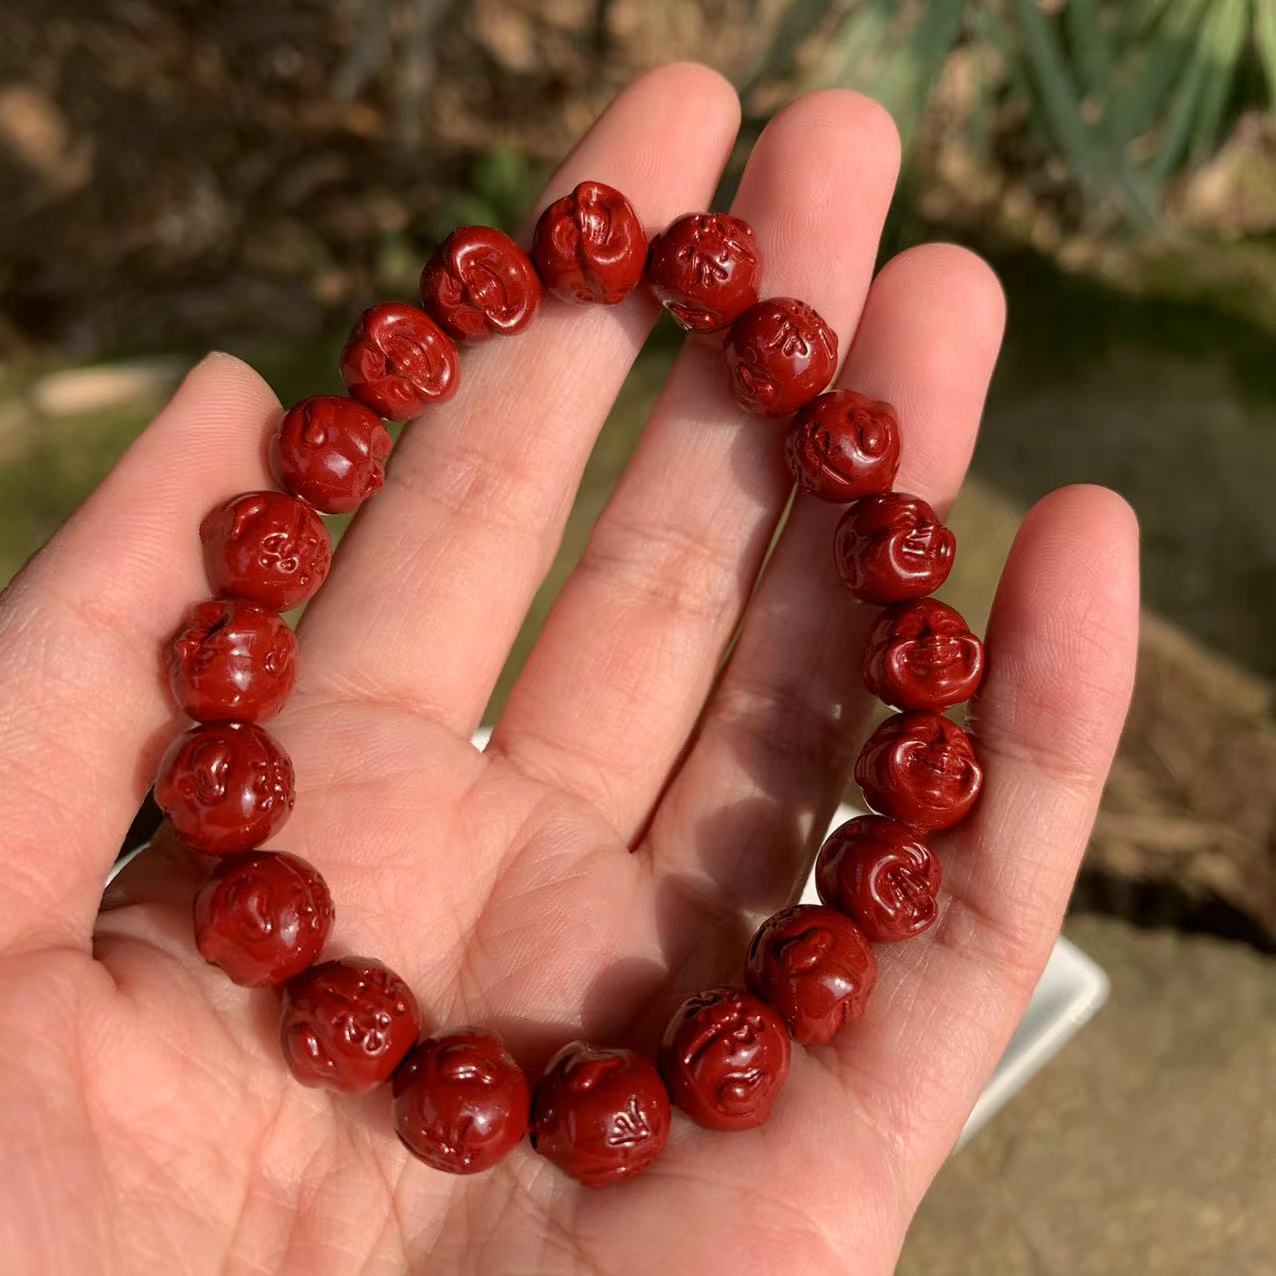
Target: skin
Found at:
x=148, y=1091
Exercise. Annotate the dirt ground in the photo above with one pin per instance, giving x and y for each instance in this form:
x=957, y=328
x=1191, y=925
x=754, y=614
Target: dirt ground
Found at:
x=201, y=166
x=1147, y=1148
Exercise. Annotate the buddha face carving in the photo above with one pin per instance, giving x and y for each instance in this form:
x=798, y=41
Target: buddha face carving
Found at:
x=843, y=446
x=600, y=1115
x=226, y=787
x=398, y=362
x=880, y=873
x=267, y=547
x=460, y=1101
x=922, y=655
x=480, y=284
x=704, y=270
x=892, y=547
x=920, y=769
x=780, y=354
x=725, y=1056
x=815, y=968
x=347, y=1024
x=232, y=660
x=590, y=246
x=263, y=917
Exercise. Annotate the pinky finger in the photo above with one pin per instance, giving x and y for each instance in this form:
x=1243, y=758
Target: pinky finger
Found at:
x=1061, y=652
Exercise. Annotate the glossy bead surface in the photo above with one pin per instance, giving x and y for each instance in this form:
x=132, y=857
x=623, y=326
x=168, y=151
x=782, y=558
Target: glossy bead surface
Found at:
x=480, y=284
x=842, y=446
x=330, y=451
x=725, y=1056
x=263, y=917
x=590, y=246
x=705, y=270
x=780, y=354
x=600, y=1115
x=398, y=362
x=346, y=1025
x=882, y=875
x=920, y=769
x=225, y=787
x=232, y=660
x=814, y=968
x=891, y=548
x=267, y=547
x=922, y=655
x=461, y=1103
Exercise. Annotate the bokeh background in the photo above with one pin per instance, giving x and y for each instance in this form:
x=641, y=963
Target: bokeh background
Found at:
x=178, y=176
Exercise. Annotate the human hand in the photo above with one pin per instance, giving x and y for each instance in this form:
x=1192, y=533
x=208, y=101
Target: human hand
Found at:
x=148, y=1120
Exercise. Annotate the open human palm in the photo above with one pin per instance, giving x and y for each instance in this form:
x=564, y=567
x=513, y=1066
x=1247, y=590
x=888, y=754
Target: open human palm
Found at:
x=658, y=783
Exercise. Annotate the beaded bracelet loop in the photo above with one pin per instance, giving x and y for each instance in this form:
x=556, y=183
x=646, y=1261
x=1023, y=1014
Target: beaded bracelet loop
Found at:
x=460, y=1101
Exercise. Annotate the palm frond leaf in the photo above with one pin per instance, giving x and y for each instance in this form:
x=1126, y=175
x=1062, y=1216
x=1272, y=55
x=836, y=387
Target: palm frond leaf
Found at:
x=800, y=21
x=1089, y=43
x=1226, y=37
x=1265, y=39
x=1060, y=98
x=906, y=79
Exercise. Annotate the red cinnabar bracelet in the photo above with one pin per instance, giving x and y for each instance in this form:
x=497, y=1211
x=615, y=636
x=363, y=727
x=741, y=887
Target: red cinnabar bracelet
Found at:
x=461, y=1102
x=704, y=270
x=331, y=453
x=842, y=446
x=480, y=284
x=600, y=1115
x=814, y=968
x=781, y=354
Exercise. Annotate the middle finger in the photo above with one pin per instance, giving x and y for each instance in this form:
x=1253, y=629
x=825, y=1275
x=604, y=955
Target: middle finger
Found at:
x=627, y=656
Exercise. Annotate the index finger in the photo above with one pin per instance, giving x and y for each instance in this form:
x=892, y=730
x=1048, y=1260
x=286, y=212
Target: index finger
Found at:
x=84, y=709
x=429, y=589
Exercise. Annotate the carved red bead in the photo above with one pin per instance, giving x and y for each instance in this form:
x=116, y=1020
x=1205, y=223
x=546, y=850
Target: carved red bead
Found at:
x=892, y=547
x=346, y=1025
x=461, y=1103
x=881, y=874
x=920, y=769
x=922, y=655
x=263, y=917
x=842, y=446
x=267, y=547
x=232, y=661
x=725, y=1056
x=226, y=788
x=814, y=968
x=705, y=270
x=780, y=354
x=398, y=362
x=590, y=246
x=600, y=1115
x=480, y=284
x=330, y=451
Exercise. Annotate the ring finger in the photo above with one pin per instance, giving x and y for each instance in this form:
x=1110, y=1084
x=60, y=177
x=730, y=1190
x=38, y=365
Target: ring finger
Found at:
x=776, y=745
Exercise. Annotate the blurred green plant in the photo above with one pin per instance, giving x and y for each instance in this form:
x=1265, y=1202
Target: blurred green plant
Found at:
x=503, y=184
x=1127, y=92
